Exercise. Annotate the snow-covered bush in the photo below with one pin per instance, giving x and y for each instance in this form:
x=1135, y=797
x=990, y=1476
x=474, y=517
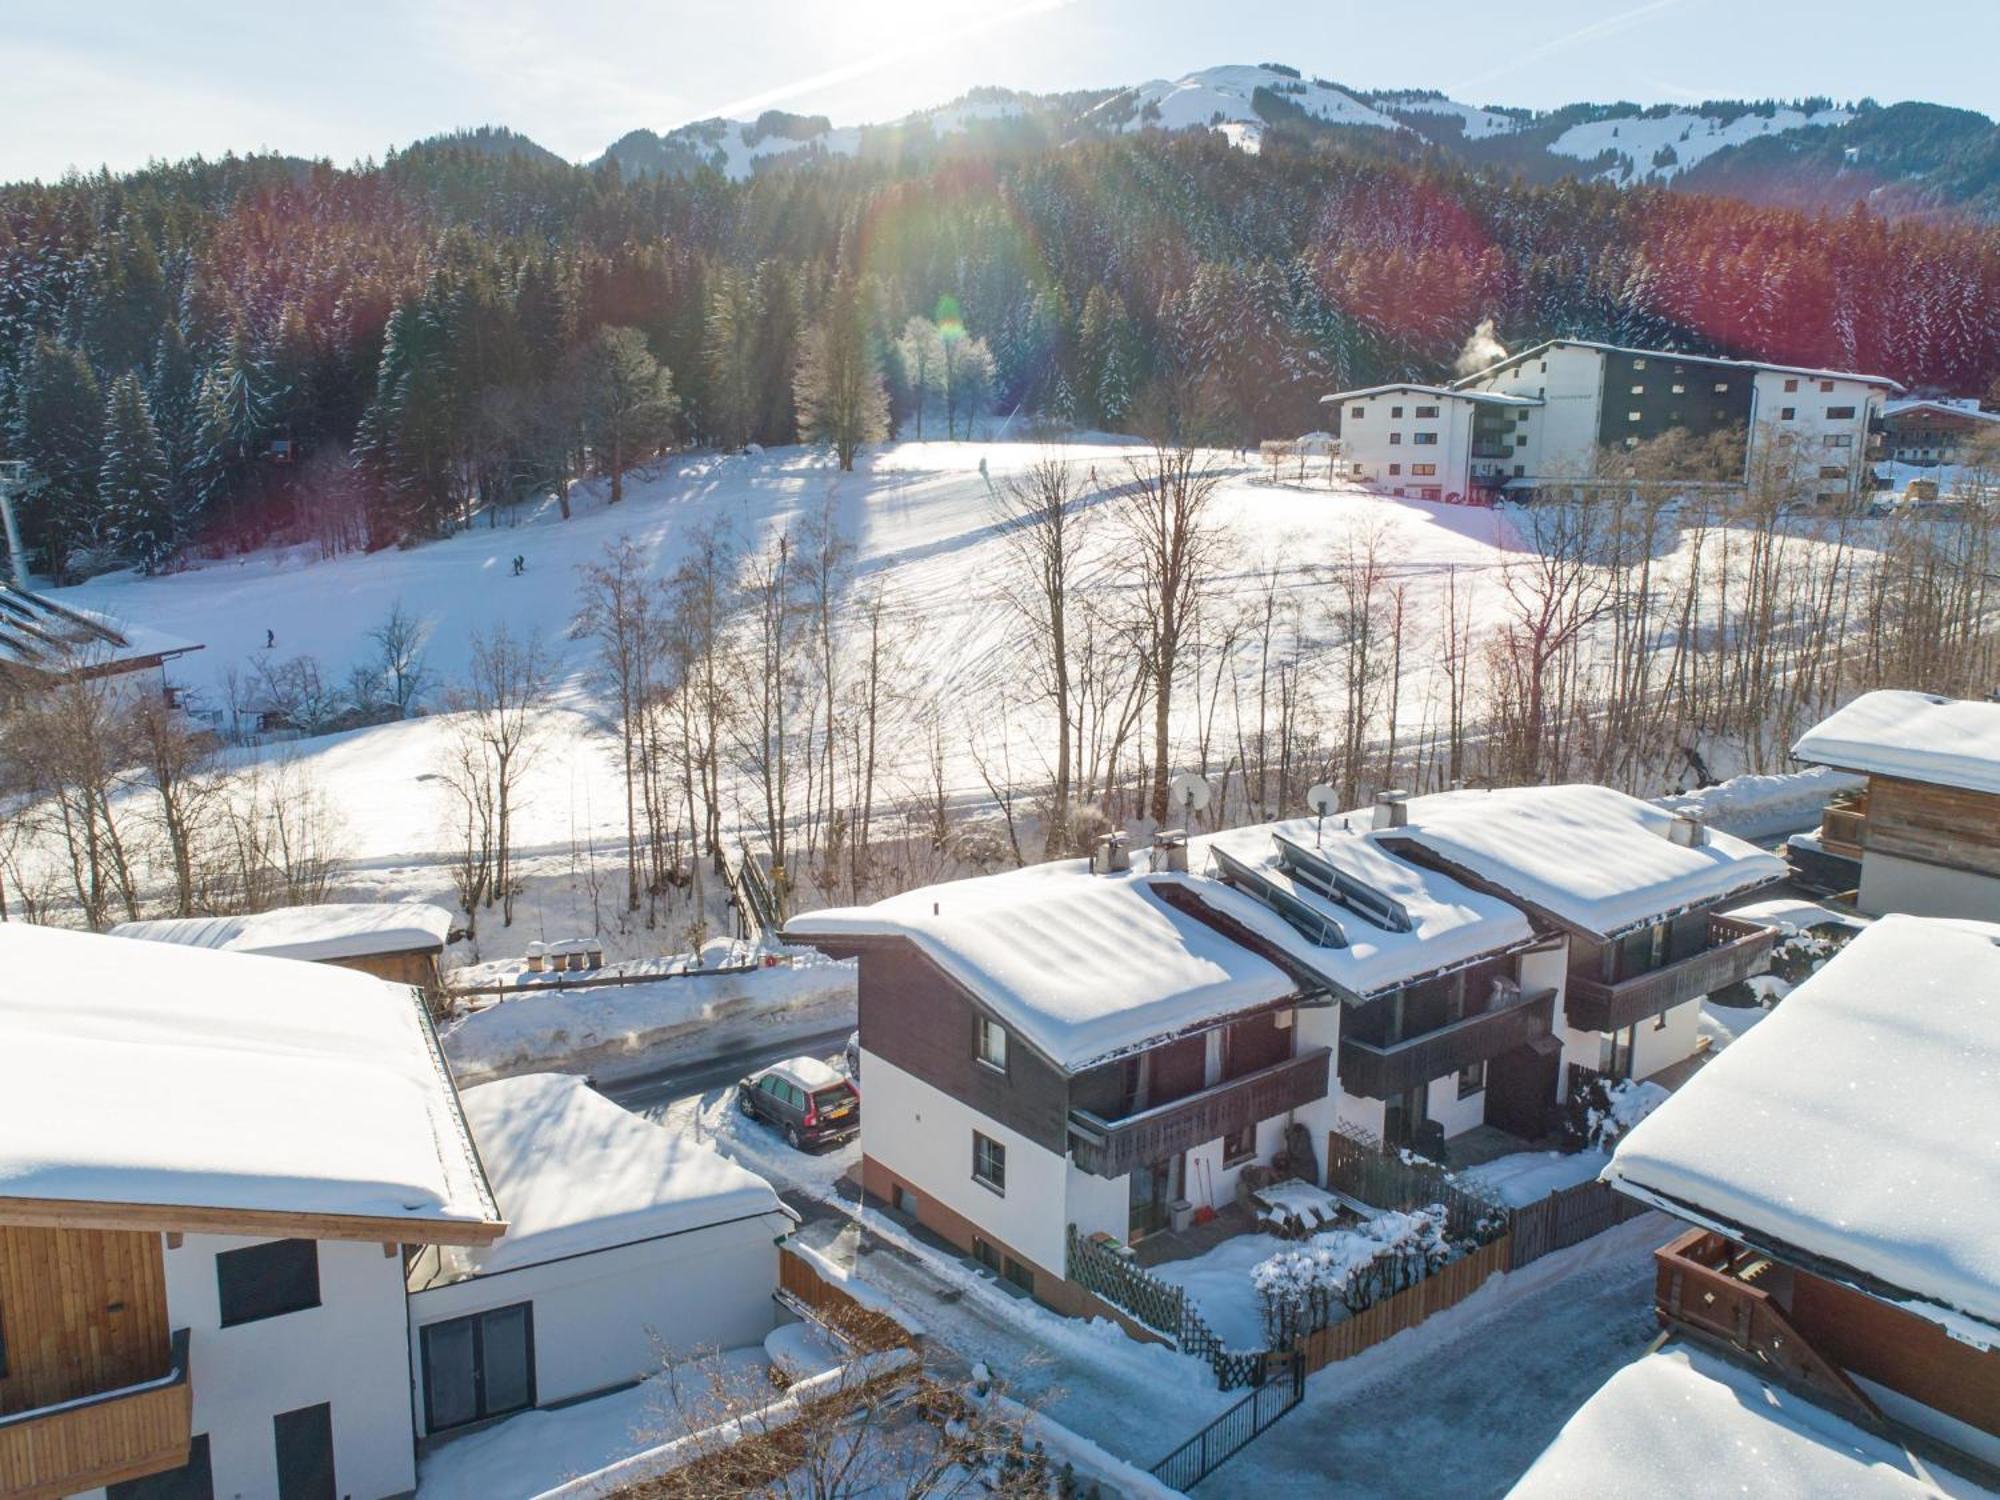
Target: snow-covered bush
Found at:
x=1798, y=956
x=1616, y=1107
x=1352, y=1267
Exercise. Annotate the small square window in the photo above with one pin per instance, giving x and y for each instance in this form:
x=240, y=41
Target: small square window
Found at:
x=1239, y=1146
x=1786, y=413
x=1472, y=1079
x=1638, y=364
x=1638, y=390
x=986, y=1255
x=1826, y=385
x=1395, y=468
x=1721, y=387
x=1520, y=471
x=1679, y=388
x=1395, y=413
x=1634, y=416
x=1395, y=440
x=1790, y=386
x=992, y=1044
x=1018, y=1274
x=989, y=1163
x=1357, y=413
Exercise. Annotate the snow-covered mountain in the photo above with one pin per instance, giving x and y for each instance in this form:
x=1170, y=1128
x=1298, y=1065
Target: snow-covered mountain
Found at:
x=1655, y=147
x=1237, y=100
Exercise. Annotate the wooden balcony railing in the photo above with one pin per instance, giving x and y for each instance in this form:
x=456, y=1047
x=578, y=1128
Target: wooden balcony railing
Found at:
x=1112, y=1148
x=1843, y=830
x=1706, y=1285
x=100, y=1439
x=1377, y=1071
x=1736, y=951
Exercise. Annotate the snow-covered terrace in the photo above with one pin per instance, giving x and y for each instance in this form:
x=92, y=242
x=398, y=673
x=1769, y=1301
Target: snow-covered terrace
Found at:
x=1887, y=1059
x=1589, y=858
x=1915, y=736
x=1400, y=923
x=174, y=1078
x=1084, y=966
x=575, y=1173
x=1684, y=1422
x=314, y=933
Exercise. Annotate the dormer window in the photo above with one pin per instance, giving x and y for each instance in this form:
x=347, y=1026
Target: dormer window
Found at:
x=992, y=1044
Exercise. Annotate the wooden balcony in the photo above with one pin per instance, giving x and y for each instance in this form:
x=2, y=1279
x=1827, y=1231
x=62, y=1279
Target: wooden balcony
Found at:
x=1112, y=1148
x=100, y=1439
x=1707, y=1286
x=1378, y=1071
x=1736, y=951
x=1843, y=828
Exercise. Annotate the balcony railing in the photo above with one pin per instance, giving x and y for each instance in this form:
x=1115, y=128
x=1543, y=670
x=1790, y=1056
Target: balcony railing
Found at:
x=1378, y=1071
x=101, y=1439
x=1736, y=951
x=1112, y=1148
x=1843, y=828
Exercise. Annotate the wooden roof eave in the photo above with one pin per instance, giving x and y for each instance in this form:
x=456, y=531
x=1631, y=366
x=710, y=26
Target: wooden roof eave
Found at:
x=169, y=1218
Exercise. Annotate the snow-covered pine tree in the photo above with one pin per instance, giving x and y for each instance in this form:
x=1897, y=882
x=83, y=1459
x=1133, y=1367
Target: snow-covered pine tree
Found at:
x=132, y=477
x=58, y=430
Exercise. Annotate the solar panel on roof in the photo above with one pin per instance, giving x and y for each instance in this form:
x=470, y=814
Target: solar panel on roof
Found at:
x=1311, y=870
x=1315, y=926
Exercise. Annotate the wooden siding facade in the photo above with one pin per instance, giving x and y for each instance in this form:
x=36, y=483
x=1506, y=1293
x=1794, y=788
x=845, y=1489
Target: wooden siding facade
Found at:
x=1938, y=825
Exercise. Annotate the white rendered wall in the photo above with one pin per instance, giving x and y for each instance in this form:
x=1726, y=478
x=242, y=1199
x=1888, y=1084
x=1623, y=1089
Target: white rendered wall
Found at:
x=1562, y=433
x=1807, y=431
x=1655, y=1047
x=1911, y=886
x=349, y=1351
x=1366, y=453
x=924, y=1136
x=611, y=1317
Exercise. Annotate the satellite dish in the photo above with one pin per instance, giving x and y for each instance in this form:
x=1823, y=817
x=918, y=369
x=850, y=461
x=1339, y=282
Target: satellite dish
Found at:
x=1189, y=791
x=1321, y=799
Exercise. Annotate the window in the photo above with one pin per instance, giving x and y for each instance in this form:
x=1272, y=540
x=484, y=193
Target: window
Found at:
x=1786, y=413
x=1840, y=440
x=1472, y=1079
x=304, y=1440
x=1424, y=439
x=1430, y=492
x=1840, y=414
x=986, y=1255
x=993, y=1044
x=1721, y=387
x=1790, y=386
x=1638, y=390
x=989, y=1163
x=1521, y=441
x=1395, y=438
x=1520, y=471
x=1425, y=411
x=1423, y=469
x=1018, y=1274
x=1660, y=1021
x=1356, y=413
x=1542, y=368
x=1826, y=385
x=1638, y=364
x=193, y=1480
x=1832, y=471
x=1395, y=468
x=1679, y=388
x=1395, y=413
x=1240, y=1146
x=479, y=1366
x=1633, y=416
x=266, y=1281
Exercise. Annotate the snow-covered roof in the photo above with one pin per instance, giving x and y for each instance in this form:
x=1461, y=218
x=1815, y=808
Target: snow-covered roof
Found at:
x=1687, y=1422
x=1443, y=393
x=166, y=1076
x=1437, y=923
x=1966, y=407
x=1916, y=736
x=574, y=1173
x=315, y=933
x=41, y=635
x=1668, y=354
x=1889, y=1056
x=1590, y=858
x=1084, y=966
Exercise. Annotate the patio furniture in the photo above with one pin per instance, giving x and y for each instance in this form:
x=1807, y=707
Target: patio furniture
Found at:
x=1294, y=1209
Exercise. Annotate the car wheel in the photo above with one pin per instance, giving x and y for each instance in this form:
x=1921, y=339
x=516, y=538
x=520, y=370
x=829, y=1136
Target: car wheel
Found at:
x=744, y=1103
x=792, y=1136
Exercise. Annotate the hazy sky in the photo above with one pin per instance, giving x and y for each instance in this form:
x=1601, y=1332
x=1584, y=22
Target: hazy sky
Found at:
x=119, y=81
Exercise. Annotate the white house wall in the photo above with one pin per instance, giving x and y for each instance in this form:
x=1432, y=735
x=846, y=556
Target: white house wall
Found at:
x=1810, y=433
x=1914, y=887
x=1562, y=432
x=349, y=1352
x=610, y=1317
x=924, y=1136
x=1368, y=456
x=1666, y=1039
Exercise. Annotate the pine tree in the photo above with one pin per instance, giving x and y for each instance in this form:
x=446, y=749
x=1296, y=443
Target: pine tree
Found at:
x=838, y=386
x=728, y=344
x=58, y=431
x=132, y=478
x=628, y=401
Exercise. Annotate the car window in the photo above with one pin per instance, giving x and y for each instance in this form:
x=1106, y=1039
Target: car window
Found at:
x=836, y=1097
x=770, y=1085
x=794, y=1097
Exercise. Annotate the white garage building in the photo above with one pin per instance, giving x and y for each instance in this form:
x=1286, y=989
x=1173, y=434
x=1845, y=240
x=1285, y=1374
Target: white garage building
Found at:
x=624, y=1243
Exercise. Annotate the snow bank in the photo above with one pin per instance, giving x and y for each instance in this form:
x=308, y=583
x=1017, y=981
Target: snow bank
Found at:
x=166, y=1075
x=1590, y=857
x=1762, y=807
x=574, y=1173
x=1887, y=1056
x=1084, y=966
x=620, y=1030
x=1918, y=736
x=1530, y=1176
x=1089, y=1462
x=313, y=933
x=1686, y=1422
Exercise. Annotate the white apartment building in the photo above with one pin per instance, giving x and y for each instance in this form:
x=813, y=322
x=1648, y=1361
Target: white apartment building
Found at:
x=1426, y=442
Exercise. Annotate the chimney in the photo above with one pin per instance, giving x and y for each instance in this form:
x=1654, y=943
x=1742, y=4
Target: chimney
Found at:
x=1170, y=851
x=1687, y=830
x=1112, y=855
x=1392, y=809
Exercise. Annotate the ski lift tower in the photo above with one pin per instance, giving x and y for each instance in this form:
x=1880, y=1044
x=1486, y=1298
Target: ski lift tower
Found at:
x=13, y=481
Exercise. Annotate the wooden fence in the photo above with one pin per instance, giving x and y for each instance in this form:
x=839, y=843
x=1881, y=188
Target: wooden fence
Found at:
x=1566, y=1217
x=1163, y=1307
x=1362, y=1167
x=1408, y=1308
x=831, y=1304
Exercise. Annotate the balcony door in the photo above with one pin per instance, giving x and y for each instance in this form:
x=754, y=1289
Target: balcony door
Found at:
x=1403, y=1115
x=1154, y=1186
